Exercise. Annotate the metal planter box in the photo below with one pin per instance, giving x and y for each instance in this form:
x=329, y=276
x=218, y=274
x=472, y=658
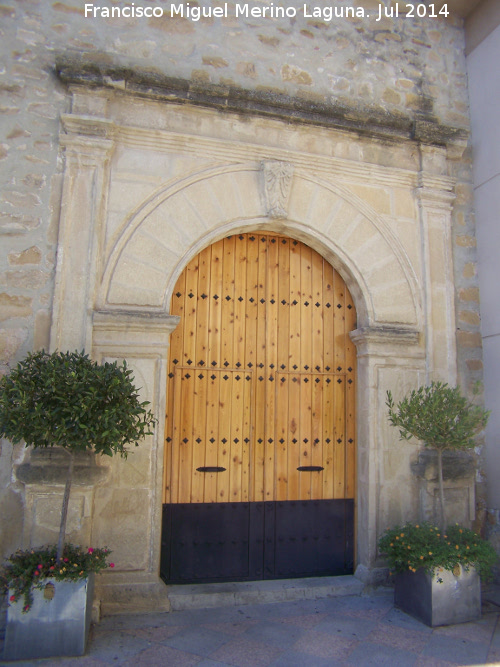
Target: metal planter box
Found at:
x=456, y=600
x=52, y=627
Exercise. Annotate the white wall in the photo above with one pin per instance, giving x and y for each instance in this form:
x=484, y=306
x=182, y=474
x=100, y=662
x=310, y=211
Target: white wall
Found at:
x=484, y=88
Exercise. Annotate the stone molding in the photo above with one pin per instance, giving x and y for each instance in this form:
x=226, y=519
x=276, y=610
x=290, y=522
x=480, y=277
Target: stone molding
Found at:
x=369, y=120
x=122, y=323
x=386, y=341
x=93, y=126
x=162, y=139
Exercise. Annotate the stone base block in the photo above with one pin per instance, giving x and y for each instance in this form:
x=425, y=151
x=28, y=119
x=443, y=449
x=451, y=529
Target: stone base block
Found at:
x=128, y=593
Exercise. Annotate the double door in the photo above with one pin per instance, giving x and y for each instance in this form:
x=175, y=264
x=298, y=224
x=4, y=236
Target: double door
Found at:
x=260, y=429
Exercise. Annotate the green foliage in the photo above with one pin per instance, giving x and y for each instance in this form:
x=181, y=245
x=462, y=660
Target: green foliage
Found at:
x=411, y=547
x=439, y=416
x=26, y=570
x=68, y=400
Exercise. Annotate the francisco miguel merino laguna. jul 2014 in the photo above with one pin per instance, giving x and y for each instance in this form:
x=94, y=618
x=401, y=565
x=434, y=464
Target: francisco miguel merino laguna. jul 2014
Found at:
x=246, y=10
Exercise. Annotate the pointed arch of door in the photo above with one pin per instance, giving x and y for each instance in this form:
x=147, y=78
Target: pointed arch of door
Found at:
x=260, y=428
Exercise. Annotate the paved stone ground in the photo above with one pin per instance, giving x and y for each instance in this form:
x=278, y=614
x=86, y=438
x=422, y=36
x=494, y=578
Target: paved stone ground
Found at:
x=348, y=631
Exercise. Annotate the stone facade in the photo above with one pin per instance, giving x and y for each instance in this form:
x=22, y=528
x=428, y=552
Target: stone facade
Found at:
x=130, y=144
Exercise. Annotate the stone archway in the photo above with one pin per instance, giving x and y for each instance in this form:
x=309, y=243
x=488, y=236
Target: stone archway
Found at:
x=158, y=239
x=385, y=229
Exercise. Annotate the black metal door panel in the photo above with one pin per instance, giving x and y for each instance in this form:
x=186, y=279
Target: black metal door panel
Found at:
x=208, y=542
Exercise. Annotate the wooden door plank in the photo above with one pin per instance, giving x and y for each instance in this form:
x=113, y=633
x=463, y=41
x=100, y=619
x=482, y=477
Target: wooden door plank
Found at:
x=212, y=435
x=199, y=435
x=339, y=437
x=317, y=384
x=227, y=317
x=237, y=435
x=175, y=352
x=185, y=440
x=305, y=414
x=225, y=429
x=215, y=301
x=250, y=295
x=294, y=379
x=260, y=371
x=188, y=325
x=246, y=463
x=328, y=318
x=317, y=364
x=350, y=401
x=339, y=289
x=328, y=435
x=283, y=377
x=271, y=303
x=217, y=298
x=203, y=309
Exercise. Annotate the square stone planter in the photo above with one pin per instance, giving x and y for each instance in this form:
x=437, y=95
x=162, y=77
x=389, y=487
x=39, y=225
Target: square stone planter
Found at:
x=456, y=600
x=57, y=624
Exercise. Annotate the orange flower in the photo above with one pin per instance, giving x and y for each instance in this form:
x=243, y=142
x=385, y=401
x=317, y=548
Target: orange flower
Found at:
x=430, y=553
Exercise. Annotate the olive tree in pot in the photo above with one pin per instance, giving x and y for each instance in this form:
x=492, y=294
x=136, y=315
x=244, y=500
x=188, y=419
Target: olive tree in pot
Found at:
x=66, y=400
x=438, y=566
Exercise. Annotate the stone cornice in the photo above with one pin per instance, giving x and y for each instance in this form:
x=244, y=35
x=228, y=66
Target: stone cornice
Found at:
x=386, y=341
x=364, y=120
x=128, y=321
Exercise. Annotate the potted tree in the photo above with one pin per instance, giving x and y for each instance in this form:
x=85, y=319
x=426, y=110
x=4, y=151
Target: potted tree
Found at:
x=66, y=400
x=438, y=567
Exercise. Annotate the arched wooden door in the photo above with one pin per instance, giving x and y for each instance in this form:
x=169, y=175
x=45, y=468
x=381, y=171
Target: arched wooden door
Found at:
x=260, y=426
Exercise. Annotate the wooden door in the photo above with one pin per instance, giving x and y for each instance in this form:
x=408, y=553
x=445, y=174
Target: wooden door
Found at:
x=261, y=384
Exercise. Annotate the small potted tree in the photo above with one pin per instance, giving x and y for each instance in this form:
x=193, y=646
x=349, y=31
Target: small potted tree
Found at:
x=438, y=566
x=65, y=400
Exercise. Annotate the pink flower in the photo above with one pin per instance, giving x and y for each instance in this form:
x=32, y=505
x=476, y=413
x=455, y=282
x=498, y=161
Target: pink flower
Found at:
x=36, y=573
x=111, y=565
x=40, y=566
x=91, y=551
x=26, y=608
x=12, y=598
x=51, y=567
x=65, y=560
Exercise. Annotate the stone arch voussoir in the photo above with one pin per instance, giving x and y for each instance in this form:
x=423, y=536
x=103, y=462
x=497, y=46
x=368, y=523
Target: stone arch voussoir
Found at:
x=175, y=223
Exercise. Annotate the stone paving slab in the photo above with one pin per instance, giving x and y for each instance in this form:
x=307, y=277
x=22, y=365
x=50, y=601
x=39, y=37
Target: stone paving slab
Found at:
x=349, y=631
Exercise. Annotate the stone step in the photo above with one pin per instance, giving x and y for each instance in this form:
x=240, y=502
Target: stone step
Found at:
x=201, y=596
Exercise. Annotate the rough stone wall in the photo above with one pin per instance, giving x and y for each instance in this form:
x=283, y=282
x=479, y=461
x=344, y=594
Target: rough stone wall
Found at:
x=399, y=69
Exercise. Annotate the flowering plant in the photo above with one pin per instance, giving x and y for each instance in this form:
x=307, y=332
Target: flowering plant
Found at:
x=415, y=546
x=29, y=569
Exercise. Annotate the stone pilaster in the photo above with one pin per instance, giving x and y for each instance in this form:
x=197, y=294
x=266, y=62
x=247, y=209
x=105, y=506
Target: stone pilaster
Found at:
x=392, y=359
x=128, y=510
x=435, y=198
x=87, y=152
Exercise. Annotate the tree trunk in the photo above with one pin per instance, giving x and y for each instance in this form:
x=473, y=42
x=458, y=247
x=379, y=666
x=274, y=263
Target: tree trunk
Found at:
x=441, y=491
x=64, y=511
